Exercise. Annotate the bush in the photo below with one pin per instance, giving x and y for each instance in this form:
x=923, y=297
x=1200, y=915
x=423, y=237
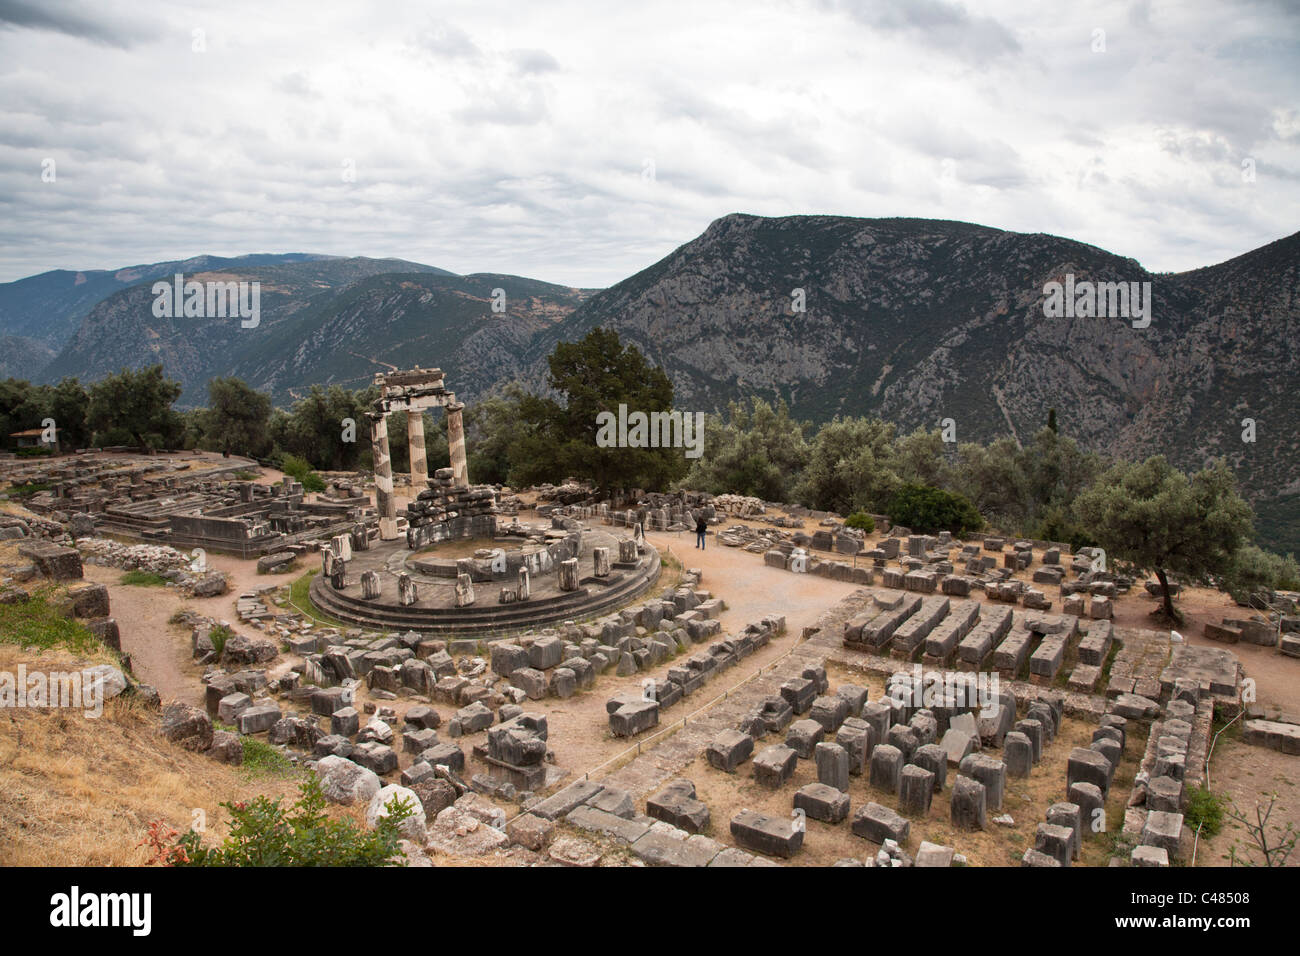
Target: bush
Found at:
x=1205, y=810
x=313, y=482
x=263, y=833
x=1254, y=569
x=926, y=509
x=301, y=470
x=1058, y=526
x=219, y=635
x=862, y=521
x=34, y=451
x=26, y=491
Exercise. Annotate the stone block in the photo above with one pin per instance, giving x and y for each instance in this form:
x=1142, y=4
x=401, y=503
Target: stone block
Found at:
x=774, y=765
x=857, y=737
x=832, y=765
x=676, y=804
x=989, y=771
x=916, y=790
x=886, y=768
x=877, y=823
x=633, y=718
x=1055, y=841
x=729, y=749
x=968, y=804
x=822, y=802
x=931, y=757
x=773, y=836
x=1088, y=766
x=803, y=736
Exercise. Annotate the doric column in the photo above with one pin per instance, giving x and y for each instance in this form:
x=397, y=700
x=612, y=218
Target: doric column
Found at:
x=456, y=442
x=384, y=499
x=415, y=447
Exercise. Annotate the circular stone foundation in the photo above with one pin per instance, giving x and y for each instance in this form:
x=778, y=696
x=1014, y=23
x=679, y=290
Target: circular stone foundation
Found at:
x=493, y=566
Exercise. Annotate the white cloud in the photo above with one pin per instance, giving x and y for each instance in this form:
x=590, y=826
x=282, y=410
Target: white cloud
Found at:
x=513, y=138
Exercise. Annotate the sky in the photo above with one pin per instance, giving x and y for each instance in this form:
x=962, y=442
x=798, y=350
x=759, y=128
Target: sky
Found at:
x=581, y=142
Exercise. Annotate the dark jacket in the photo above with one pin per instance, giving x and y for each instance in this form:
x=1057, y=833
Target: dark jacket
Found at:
x=701, y=525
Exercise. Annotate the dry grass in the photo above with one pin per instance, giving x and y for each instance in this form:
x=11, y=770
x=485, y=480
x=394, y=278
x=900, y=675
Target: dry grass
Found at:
x=82, y=792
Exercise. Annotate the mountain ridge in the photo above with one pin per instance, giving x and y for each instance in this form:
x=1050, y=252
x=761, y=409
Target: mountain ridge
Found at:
x=914, y=320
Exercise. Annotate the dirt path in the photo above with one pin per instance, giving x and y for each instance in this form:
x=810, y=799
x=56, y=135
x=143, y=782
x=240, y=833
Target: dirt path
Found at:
x=1248, y=775
x=160, y=651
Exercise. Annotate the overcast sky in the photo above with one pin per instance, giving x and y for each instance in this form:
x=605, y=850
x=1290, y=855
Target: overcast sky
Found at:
x=581, y=142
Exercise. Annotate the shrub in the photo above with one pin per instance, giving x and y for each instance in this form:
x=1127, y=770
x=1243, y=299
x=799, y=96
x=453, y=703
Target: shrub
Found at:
x=926, y=509
x=26, y=491
x=313, y=482
x=300, y=470
x=34, y=451
x=1254, y=569
x=862, y=521
x=1205, y=810
x=263, y=833
x=219, y=635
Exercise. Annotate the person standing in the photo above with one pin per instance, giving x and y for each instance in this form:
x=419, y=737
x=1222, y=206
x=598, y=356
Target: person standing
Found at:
x=701, y=528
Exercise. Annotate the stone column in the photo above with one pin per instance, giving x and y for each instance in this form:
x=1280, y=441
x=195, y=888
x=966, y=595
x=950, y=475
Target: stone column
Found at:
x=464, y=590
x=456, y=443
x=384, y=499
x=407, y=592
x=415, y=447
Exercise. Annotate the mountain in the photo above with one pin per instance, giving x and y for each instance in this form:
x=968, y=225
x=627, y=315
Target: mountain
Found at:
x=121, y=330
x=400, y=320
x=913, y=320
x=48, y=308
x=921, y=320
x=19, y=356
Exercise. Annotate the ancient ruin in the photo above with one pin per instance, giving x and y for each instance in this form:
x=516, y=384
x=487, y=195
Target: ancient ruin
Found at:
x=412, y=391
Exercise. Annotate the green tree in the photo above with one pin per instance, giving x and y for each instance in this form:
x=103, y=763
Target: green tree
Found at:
x=137, y=403
x=919, y=457
x=237, y=418
x=851, y=466
x=1162, y=521
x=313, y=428
x=760, y=450
x=990, y=477
x=68, y=404
x=1253, y=570
x=22, y=406
x=492, y=432
x=926, y=509
x=595, y=375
